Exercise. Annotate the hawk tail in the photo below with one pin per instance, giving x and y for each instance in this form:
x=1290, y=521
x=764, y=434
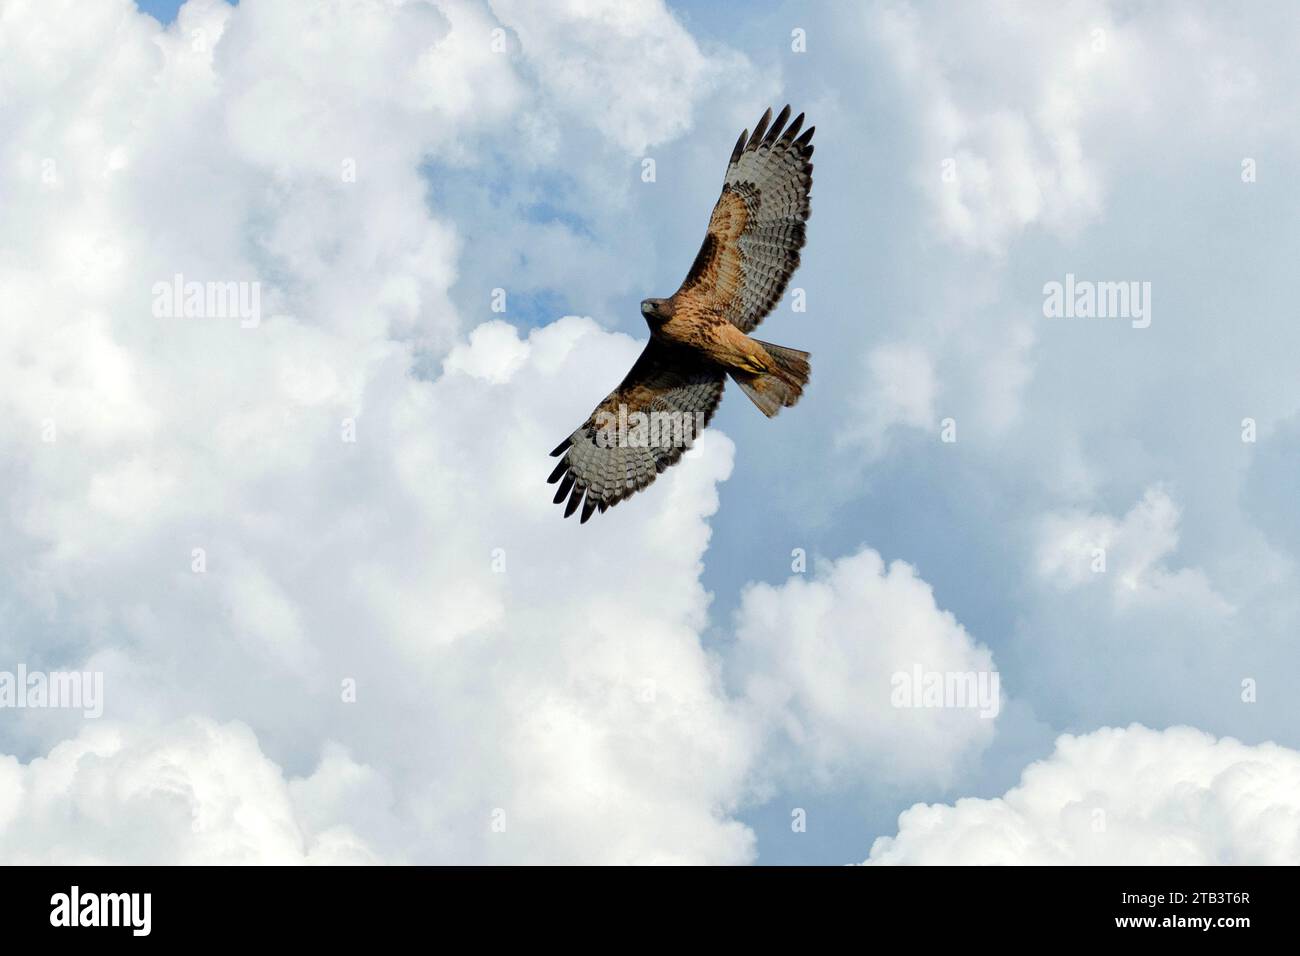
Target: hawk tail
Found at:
x=778, y=389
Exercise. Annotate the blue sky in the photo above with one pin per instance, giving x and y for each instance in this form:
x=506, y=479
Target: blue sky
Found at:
x=164, y=11
x=662, y=684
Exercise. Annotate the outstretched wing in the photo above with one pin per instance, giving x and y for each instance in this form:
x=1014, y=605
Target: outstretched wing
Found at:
x=641, y=428
x=757, y=227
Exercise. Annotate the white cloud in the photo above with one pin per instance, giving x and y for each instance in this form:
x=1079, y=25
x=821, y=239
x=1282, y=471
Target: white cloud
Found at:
x=196, y=792
x=1041, y=108
x=1129, y=796
x=1011, y=142
x=1129, y=555
x=494, y=352
x=629, y=69
x=570, y=691
x=589, y=715
x=817, y=661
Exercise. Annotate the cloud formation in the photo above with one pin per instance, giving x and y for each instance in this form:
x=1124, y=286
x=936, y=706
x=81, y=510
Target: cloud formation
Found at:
x=1131, y=796
x=193, y=793
x=821, y=661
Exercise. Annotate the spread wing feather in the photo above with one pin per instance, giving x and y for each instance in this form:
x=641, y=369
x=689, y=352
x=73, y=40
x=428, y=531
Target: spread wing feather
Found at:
x=752, y=245
x=601, y=466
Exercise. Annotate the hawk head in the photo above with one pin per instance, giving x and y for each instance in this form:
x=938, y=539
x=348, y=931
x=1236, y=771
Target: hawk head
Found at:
x=656, y=311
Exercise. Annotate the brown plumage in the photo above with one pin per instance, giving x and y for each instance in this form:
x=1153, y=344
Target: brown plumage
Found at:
x=698, y=336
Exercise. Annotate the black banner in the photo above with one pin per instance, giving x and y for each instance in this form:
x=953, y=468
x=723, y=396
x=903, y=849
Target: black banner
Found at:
x=1223, y=905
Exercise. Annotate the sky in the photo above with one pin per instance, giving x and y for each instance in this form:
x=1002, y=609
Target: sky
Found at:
x=296, y=529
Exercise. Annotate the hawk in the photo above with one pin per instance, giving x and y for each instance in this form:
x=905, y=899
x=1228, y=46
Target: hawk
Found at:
x=699, y=334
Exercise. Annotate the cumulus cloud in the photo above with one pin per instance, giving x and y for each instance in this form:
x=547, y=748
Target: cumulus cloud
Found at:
x=589, y=721
x=836, y=666
x=241, y=522
x=1121, y=796
x=195, y=792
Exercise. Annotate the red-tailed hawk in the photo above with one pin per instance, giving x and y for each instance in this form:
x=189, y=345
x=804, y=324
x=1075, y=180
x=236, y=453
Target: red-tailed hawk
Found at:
x=698, y=335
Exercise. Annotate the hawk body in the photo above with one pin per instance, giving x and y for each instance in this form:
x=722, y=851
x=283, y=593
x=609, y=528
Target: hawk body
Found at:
x=698, y=336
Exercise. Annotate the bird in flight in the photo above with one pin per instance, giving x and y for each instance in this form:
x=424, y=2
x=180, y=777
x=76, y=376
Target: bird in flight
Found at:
x=699, y=334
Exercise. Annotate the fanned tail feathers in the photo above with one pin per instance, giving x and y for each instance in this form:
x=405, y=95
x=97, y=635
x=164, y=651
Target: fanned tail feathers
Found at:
x=779, y=389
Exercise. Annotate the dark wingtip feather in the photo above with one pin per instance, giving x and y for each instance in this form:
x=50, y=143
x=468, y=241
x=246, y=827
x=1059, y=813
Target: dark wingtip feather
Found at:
x=777, y=125
x=588, y=507
x=574, y=498
x=560, y=469
x=793, y=128
x=803, y=140
x=559, y=449
x=564, y=488
x=761, y=128
x=740, y=147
